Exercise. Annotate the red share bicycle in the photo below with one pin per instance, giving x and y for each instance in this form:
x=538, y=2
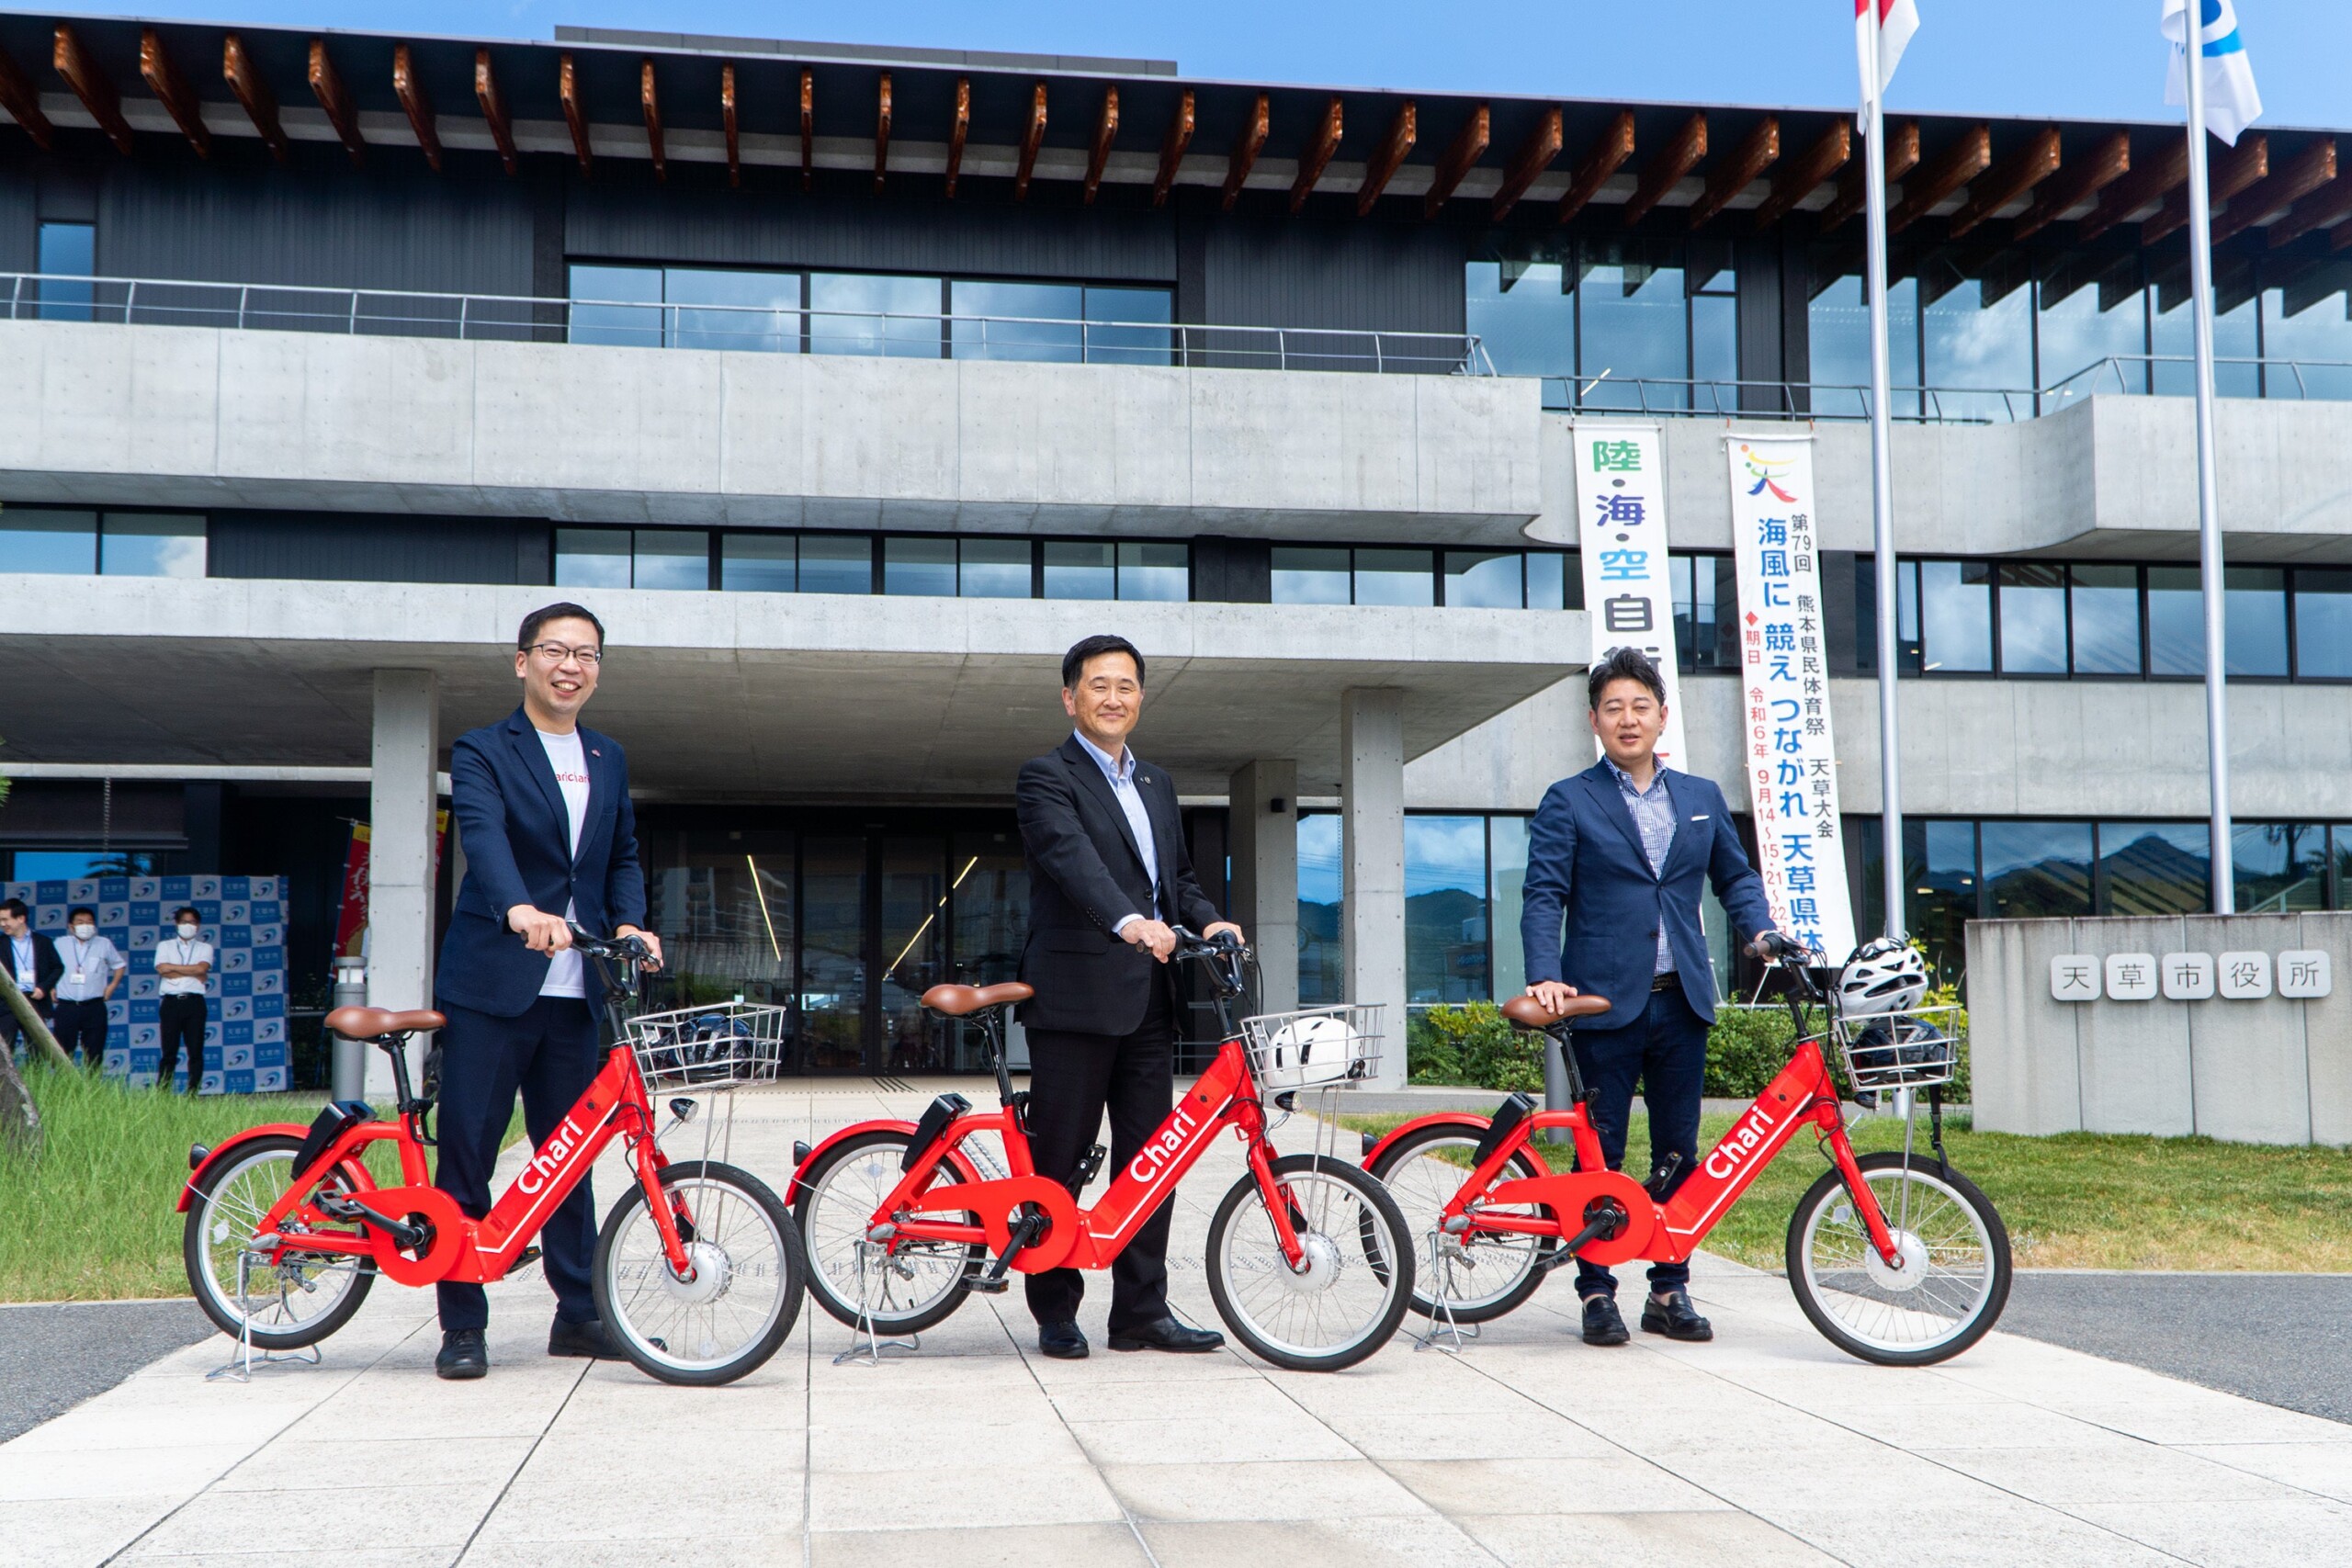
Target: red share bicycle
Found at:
x=1308, y=1258
x=698, y=1271
x=1897, y=1260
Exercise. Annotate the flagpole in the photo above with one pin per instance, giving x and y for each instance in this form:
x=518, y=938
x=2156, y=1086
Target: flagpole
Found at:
x=1890, y=763
x=2209, y=506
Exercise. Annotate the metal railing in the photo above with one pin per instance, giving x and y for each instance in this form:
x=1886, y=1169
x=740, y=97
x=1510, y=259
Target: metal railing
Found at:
x=768, y=329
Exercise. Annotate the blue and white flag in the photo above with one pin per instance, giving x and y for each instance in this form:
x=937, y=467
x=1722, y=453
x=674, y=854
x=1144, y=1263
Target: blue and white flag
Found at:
x=2231, y=101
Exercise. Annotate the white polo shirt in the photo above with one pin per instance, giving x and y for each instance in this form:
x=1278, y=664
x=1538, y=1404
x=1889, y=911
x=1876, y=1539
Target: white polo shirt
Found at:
x=181, y=949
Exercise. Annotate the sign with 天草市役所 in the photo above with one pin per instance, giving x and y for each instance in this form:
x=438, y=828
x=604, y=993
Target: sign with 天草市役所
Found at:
x=2296, y=974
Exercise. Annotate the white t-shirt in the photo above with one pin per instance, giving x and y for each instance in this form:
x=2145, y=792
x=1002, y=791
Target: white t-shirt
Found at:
x=566, y=974
x=179, y=950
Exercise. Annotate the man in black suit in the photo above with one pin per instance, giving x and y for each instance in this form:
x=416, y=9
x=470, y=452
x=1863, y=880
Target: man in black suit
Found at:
x=1108, y=874
x=32, y=963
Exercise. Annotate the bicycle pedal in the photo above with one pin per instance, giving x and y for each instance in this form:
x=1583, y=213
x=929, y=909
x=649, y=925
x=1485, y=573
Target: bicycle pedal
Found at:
x=989, y=1284
x=528, y=1254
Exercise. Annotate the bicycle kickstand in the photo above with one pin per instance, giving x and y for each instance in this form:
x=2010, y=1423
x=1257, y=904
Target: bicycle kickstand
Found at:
x=869, y=1276
x=240, y=1364
x=1443, y=1321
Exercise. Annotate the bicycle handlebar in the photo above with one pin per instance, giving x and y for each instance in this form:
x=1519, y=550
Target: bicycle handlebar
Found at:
x=627, y=949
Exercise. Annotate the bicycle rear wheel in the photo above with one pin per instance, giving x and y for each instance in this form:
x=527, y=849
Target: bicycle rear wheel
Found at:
x=295, y=1301
x=1349, y=1296
x=1483, y=1274
x=744, y=1294
x=904, y=1291
x=1955, y=1277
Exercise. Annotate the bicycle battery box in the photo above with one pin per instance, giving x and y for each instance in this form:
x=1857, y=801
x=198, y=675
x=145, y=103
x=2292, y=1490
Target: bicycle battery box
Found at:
x=1508, y=1116
x=935, y=1118
x=332, y=1123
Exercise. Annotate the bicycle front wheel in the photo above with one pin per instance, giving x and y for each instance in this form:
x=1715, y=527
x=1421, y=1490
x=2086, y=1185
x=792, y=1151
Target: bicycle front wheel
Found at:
x=738, y=1303
x=1955, y=1275
x=1350, y=1292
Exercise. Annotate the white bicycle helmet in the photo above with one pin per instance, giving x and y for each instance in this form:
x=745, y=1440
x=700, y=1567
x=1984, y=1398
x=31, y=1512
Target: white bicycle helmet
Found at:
x=1882, y=977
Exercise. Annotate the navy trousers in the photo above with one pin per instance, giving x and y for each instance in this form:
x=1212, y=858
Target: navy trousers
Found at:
x=80, y=1029
x=550, y=1053
x=1666, y=1048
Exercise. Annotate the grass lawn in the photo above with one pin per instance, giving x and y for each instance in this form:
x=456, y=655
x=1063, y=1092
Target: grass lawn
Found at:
x=92, y=1218
x=2080, y=1200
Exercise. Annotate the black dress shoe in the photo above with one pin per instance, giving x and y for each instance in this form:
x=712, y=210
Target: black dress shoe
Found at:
x=590, y=1339
x=1675, y=1317
x=1167, y=1334
x=461, y=1356
x=1601, y=1323
x=1064, y=1341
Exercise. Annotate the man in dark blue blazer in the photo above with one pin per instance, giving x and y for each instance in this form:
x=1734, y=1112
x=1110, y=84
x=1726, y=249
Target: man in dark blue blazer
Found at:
x=550, y=841
x=1622, y=849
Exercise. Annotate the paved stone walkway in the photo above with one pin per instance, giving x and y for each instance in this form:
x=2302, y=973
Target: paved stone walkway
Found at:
x=1767, y=1446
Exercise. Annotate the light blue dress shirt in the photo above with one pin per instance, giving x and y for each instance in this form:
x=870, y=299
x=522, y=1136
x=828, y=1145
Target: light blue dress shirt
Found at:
x=1122, y=777
x=1652, y=811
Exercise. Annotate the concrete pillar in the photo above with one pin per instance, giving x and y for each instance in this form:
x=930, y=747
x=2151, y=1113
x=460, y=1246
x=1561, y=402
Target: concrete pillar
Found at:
x=1372, y=860
x=401, y=805
x=1262, y=843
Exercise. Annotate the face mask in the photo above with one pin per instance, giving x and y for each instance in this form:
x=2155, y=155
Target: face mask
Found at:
x=85, y=929
x=186, y=928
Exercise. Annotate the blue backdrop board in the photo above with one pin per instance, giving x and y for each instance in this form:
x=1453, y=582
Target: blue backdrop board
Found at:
x=244, y=919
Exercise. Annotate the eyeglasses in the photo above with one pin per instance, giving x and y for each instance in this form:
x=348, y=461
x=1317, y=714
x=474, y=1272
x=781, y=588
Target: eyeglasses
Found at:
x=556, y=653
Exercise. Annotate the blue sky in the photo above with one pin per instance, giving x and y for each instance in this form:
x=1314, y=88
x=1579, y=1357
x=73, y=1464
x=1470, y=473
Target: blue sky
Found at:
x=2085, y=57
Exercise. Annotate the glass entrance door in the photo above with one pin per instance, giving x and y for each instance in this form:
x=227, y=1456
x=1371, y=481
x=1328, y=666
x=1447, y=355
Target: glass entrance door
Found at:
x=834, y=1020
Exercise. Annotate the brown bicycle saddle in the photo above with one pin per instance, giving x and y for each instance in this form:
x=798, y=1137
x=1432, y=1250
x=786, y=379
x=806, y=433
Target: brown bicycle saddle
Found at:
x=1528, y=1013
x=366, y=1023
x=958, y=1001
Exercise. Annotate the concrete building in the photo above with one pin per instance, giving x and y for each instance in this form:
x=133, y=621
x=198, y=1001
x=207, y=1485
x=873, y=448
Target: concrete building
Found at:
x=851, y=386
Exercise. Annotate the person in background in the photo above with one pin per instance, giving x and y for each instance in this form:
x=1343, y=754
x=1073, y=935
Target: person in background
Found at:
x=93, y=968
x=182, y=962
x=33, y=961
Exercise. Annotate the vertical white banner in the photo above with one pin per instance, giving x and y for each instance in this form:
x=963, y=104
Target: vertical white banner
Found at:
x=1621, y=520
x=1791, y=751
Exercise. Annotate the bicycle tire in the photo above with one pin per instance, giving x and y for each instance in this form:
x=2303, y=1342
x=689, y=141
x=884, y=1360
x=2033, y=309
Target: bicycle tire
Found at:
x=649, y=1354
x=195, y=1248
x=1804, y=1280
x=1424, y=1299
x=1396, y=1280
x=821, y=1256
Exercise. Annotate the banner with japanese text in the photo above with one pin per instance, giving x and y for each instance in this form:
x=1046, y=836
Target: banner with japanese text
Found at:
x=1621, y=520
x=1791, y=750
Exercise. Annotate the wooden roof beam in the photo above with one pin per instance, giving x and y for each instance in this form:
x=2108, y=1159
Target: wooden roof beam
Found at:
x=90, y=84
x=2322, y=209
x=171, y=90
x=2275, y=196
x=1677, y=158
x=1171, y=148
x=881, y=131
x=1604, y=159
x=959, y=133
x=1246, y=148
x=1757, y=152
x=1469, y=145
x=1969, y=156
x=1802, y=177
x=729, y=123
x=648, y=96
x=2011, y=178
x=575, y=112
x=808, y=127
x=1316, y=156
x=1527, y=164
x=2230, y=171
x=493, y=112
x=1032, y=136
x=1403, y=131
x=22, y=100
x=2150, y=181
x=327, y=85
x=261, y=104
x=1098, y=152
x=2082, y=179
x=419, y=109
x=1902, y=157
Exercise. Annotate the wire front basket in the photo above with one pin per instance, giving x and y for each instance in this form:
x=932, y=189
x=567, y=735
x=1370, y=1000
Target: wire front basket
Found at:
x=1329, y=1047
x=1904, y=1050
x=709, y=1047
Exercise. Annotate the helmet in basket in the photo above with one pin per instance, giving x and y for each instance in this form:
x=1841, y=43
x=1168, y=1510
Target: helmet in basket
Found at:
x=1882, y=977
x=1306, y=1050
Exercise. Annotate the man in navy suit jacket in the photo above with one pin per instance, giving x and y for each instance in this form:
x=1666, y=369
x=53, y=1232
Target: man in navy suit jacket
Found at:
x=550, y=841
x=1623, y=848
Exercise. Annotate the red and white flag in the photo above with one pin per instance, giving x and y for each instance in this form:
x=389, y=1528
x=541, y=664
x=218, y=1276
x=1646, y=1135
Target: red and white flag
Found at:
x=1895, y=21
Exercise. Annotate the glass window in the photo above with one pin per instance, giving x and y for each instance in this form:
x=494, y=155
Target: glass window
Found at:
x=1484, y=580
x=1907, y=655
x=673, y=557
x=1445, y=908
x=1837, y=323
x=1130, y=340
x=1524, y=316
x=1151, y=570
x=751, y=312
x=1322, y=979
x=2089, y=325
x=1017, y=321
x=836, y=563
x=2154, y=868
x=1554, y=580
x=989, y=897
x=592, y=557
x=1956, y=616
x=2278, y=868
x=2322, y=623
x=2340, y=842
x=2033, y=869
x=1306, y=574
x=920, y=564
x=851, y=312
x=150, y=543
x=66, y=250
x=2033, y=618
x=2254, y=614
x=1701, y=597
x=2106, y=604
x=1505, y=899
x=45, y=539
x=1396, y=577
x=2175, y=622
x=1714, y=346
x=630, y=325
x=1939, y=896
x=2235, y=347
x=995, y=568
x=1080, y=568
x=1631, y=326
x=2321, y=330
x=758, y=563
x=1969, y=343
